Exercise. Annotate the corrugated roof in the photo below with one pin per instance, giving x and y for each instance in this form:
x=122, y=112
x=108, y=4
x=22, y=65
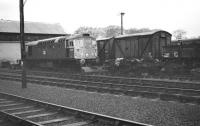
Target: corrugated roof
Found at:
x=140, y=34
x=31, y=27
x=103, y=39
x=133, y=35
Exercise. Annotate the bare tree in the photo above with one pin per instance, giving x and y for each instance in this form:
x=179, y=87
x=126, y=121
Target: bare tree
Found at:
x=109, y=31
x=95, y=32
x=135, y=30
x=179, y=34
x=112, y=30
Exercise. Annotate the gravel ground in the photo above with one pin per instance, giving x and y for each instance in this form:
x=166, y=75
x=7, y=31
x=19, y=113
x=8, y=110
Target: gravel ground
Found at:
x=155, y=112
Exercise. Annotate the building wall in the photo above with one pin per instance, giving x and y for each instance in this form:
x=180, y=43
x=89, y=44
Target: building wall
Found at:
x=9, y=51
x=10, y=44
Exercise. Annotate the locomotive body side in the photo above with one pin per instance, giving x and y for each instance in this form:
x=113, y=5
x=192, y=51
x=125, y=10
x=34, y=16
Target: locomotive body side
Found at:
x=46, y=49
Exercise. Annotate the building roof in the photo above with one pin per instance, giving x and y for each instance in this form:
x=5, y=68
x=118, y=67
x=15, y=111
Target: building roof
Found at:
x=9, y=26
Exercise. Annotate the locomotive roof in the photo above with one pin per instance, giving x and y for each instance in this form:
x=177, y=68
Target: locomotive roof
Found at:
x=134, y=35
x=57, y=38
x=80, y=35
x=42, y=40
x=102, y=39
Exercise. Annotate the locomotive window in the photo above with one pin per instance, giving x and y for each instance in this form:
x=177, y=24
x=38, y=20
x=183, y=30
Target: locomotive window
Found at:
x=30, y=50
x=67, y=43
x=48, y=44
x=43, y=44
x=61, y=40
x=60, y=45
x=40, y=45
x=71, y=43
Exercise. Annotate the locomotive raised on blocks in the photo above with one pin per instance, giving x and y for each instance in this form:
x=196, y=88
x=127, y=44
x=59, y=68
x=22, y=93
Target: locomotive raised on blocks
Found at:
x=64, y=51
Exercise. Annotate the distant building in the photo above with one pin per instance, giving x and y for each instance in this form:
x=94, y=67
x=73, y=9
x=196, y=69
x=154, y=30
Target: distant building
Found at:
x=10, y=36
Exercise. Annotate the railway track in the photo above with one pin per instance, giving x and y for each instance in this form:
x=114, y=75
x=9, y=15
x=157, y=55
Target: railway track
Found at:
x=20, y=111
x=5, y=122
x=163, y=83
x=170, y=91
x=99, y=77
x=186, y=77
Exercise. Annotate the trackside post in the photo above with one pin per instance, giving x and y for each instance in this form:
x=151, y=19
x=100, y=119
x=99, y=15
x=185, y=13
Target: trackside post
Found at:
x=22, y=43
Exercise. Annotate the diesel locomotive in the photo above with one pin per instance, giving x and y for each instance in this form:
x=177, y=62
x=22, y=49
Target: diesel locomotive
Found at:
x=61, y=52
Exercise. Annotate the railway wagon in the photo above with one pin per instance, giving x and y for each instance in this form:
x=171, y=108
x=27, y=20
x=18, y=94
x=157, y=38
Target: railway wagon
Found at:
x=133, y=45
x=186, y=51
x=61, y=51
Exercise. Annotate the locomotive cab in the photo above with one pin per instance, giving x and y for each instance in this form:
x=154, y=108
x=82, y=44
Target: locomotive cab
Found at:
x=85, y=48
x=70, y=49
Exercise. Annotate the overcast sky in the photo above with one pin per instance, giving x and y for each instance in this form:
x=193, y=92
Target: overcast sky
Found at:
x=168, y=15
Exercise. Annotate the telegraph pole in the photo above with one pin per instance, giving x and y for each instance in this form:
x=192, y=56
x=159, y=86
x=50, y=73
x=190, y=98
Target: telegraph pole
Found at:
x=22, y=43
x=122, y=30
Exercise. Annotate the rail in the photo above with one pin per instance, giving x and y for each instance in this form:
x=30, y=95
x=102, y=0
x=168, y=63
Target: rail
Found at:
x=163, y=91
x=30, y=112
